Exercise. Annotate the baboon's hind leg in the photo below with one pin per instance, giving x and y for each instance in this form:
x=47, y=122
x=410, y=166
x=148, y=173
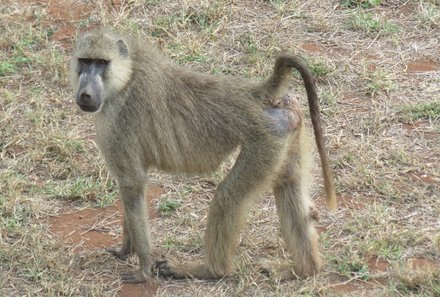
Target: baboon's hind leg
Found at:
x=297, y=215
x=227, y=213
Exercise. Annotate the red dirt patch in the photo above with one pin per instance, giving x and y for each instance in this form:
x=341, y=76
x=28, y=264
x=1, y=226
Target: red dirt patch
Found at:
x=371, y=67
x=138, y=290
x=421, y=177
x=311, y=47
x=349, y=202
x=61, y=14
x=414, y=126
x=422, y=66
x=64, y=16
x=351, y=287
x=407, y=9
x=91, y=228
x=419, y=263
x=67, y=10
x=377, y=265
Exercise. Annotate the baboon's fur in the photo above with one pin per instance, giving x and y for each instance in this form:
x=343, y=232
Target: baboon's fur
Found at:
x=155, y=114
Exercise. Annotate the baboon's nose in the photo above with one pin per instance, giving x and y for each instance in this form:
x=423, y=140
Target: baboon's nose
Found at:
x=84, y=98
x=85, y=95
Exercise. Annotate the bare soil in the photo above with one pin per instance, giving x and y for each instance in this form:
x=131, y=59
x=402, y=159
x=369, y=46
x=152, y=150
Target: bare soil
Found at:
x=422, y=66
x=91, y=228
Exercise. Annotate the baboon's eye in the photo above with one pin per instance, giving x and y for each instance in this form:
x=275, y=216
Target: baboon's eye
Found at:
x=102, y=62
x=85, y=61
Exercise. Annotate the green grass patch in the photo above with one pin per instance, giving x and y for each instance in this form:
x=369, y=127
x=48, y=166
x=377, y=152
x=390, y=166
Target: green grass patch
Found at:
x=169, y=205
x=286, y=6
x=16, y=216
x=379, y=81
x=328, y=102
x=83, y=189
x=353, y=269
x=191, y=58
x=359, y=3
x=195, y=19
x=421, y=111
x=171, y=243
x=320, y=69
x=247, y=41
x=372, y=25
x=6, y=67
x=163, y=24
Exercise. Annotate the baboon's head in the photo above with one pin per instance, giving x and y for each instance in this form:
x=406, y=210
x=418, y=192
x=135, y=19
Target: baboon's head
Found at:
x=100, y=68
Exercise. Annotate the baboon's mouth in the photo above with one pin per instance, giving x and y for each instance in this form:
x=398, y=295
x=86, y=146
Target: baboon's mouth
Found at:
x=88, y=108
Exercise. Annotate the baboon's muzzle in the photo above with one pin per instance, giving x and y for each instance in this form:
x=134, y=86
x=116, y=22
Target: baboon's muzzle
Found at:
x=89, y=93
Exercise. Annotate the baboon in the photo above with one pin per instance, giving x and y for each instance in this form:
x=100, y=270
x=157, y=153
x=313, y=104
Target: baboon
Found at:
x=151, y=113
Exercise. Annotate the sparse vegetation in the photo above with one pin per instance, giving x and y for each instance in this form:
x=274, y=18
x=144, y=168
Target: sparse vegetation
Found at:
x=422, y=111
x=370, y=24
x=360, y=3
x=320, y=68
x=429, y=14
x=6, y=67
x=379, y=81
x=169, y=205
x=382, y=126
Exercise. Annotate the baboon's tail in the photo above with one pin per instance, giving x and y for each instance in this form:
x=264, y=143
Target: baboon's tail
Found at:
x=282, y=69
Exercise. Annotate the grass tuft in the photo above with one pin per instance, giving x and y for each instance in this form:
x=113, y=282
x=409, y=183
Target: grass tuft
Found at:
x=423, y=111
x=370, y=24
x=360, y=3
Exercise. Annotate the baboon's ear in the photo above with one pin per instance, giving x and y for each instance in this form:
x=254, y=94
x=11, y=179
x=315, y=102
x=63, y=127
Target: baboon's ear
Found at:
x=123, y=49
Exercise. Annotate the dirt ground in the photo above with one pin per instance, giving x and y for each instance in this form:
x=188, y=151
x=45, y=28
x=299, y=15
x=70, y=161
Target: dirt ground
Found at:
x=377, y=67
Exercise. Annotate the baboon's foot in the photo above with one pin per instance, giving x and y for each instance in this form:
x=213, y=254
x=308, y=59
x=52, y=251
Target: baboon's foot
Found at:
x=135, y=277
x=174, y=269
x=286, y=272
x=308, y=263
x=119, y=252
x=278, y=272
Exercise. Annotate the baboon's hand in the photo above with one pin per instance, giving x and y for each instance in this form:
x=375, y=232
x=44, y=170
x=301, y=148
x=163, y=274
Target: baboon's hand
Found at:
x=119, y=253
x=165, y=268
x=135, y=277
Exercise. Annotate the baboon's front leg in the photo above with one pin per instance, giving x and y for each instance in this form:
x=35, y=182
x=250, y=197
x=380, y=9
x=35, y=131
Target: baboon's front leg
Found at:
x=137, y=234
x=226, y=215
x=126, y=248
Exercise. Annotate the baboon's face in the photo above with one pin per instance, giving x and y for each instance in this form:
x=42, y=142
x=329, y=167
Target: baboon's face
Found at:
x=91, y=74
x=100, y=69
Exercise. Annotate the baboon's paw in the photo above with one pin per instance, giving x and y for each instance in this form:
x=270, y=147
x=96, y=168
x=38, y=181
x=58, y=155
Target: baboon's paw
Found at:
x=278, y=272
x=118, y=252
x=134, y=277
x=167, y=268
x=314, y=213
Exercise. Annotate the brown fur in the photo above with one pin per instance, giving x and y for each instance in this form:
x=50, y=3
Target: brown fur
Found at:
x=155, y=114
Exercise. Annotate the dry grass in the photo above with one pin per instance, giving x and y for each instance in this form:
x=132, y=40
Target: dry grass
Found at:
x=378, y=67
